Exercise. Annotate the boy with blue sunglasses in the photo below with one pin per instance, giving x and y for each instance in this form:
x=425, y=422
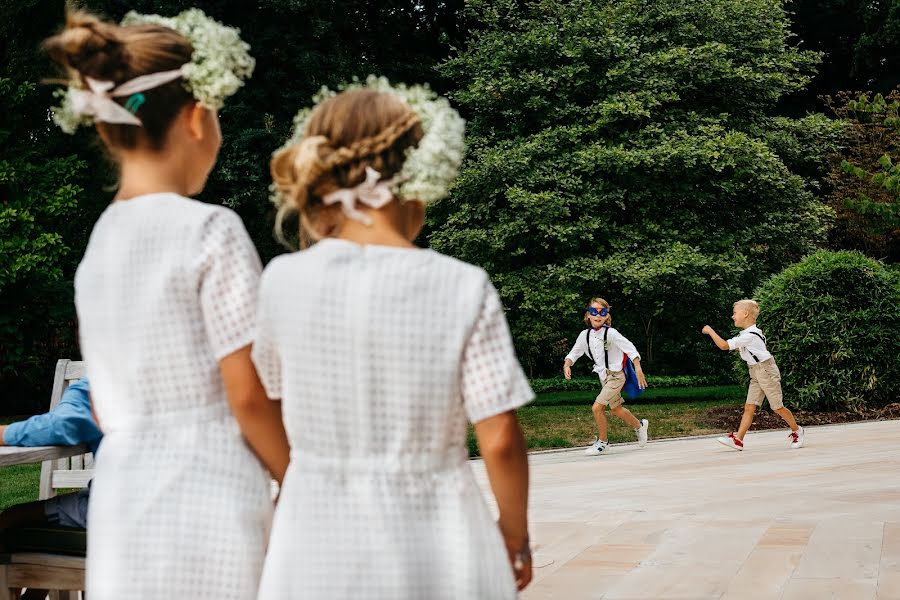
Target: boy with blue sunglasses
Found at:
x=609, y=350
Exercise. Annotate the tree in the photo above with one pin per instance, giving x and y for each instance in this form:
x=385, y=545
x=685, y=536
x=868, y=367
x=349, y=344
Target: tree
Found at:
x=864, y=177
x=38, y=194
x=860, y=42
x=627, y=149
x=299, y=46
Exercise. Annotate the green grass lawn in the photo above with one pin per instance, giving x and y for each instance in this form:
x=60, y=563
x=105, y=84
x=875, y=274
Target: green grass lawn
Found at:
x=564, y=419
x=553, y=420
x=18, y=483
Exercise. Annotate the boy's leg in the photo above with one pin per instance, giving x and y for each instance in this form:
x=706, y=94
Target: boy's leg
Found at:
x=746, y=421
x=599, y=411
x=625, y=414
x=755, y=397
x=770, y=381
x=611, y=396
x=788, y=417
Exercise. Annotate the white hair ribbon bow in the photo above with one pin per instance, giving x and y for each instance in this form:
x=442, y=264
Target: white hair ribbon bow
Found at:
x=97, y=101
x=370, y=192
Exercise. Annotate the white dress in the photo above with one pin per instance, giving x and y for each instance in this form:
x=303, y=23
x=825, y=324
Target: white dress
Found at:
x=381, y=355
x=180, y=506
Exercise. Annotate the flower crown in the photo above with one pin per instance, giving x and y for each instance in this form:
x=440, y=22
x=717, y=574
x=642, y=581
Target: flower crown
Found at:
x=431, y=167
x=219, y=64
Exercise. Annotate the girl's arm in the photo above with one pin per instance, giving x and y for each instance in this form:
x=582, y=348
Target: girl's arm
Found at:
x=258, y=417
x=502, y=446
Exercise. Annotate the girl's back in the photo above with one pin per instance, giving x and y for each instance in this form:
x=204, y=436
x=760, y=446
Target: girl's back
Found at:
x=384, y=353
x=153, y=309
x=373, y=340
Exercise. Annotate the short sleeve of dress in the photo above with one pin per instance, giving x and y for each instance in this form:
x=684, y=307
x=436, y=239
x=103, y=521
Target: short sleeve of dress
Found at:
x=265, y=354
x=229, y=278
x=492, y=378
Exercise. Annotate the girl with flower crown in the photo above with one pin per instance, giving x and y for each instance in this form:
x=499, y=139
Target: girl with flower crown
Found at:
x=380, y=353
x=166, y=298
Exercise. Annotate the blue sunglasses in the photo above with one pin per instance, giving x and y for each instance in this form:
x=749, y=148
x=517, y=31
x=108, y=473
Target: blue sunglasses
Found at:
x=594, y=312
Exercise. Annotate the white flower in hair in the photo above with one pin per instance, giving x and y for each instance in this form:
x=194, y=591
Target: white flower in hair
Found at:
x=432, y=166
x=220, y=62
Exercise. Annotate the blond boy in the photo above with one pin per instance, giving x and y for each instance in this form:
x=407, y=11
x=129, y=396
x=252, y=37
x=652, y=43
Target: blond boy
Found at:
x=765, y=378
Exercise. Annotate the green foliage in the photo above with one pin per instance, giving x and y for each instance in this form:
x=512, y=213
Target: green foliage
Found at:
x=558, y=384
x=299, y=46
x=833, y=325
x=865, y=179
x=39, y=194
x=861, y=41
x=625, y=149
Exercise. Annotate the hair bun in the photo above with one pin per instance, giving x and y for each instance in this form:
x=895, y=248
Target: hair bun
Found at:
x=89, y=46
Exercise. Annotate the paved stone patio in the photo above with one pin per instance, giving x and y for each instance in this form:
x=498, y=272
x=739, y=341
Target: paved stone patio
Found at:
x=691, y=519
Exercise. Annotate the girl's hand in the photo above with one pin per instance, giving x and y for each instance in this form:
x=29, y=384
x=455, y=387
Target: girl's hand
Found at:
x=707, y=330
x=567, y=371
x=520, y=560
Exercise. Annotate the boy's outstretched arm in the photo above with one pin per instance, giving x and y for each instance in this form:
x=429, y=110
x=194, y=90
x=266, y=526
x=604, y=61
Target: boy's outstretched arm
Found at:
x=722, y=344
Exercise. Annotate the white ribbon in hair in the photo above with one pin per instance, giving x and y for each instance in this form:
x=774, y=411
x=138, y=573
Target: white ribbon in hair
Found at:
x=370, y=192
x=97, y=101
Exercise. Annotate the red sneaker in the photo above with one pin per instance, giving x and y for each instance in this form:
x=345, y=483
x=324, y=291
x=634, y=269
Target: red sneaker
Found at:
x=796, y=438
x=731, y=441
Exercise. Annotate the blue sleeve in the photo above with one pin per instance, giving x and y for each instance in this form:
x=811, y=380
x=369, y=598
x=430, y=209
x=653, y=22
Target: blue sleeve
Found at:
x=69, y=424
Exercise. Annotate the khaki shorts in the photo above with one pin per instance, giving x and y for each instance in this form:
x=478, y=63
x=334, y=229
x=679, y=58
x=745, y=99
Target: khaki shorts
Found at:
x=765, y=382
x=611, y=394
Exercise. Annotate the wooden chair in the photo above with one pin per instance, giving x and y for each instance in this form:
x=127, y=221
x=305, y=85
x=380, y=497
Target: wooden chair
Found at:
x=58, y=572
x=65, y=473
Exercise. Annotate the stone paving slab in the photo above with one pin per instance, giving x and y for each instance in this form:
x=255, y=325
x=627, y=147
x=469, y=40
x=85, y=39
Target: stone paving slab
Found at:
x=690, y=519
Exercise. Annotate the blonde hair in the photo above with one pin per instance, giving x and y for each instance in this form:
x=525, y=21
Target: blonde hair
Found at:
x=602, y=302
x=90, y=47
x=751, y=306
x=345, y=134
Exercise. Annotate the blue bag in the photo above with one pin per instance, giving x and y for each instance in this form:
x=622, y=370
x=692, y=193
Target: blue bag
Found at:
x=632, y=387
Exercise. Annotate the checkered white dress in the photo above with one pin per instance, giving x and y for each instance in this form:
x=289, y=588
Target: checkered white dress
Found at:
x=381, y=355
x=180, y=507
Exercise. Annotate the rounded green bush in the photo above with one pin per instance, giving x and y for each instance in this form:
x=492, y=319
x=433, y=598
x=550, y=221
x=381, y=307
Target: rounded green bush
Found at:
x=833, y=325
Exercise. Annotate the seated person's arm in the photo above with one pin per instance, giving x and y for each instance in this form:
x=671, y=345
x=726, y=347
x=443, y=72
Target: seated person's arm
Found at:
x=69, y=424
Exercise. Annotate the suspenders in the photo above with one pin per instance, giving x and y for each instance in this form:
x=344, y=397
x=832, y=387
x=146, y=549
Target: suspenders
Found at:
x=763, y=341
x=587, y=342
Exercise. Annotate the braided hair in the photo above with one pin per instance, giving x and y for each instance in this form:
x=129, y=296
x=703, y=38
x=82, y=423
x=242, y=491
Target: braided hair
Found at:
x=345, y=135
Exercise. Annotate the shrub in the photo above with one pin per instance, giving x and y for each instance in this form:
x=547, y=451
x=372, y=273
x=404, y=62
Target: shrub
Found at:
x=581, y=384
x=833, y=325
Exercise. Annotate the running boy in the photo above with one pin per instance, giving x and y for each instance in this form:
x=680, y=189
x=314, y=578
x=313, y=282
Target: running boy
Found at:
x=765, y=378
x=607, y=349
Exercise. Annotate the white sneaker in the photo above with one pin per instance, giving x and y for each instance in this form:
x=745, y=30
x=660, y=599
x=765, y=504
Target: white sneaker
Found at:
x=796, y=438
x=596, y=448
x=642, y=432
x=731, y=441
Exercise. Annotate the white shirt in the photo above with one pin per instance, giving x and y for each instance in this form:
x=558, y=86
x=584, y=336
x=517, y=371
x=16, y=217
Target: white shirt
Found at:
x=381, y=355
x=752, y=348
x=617, y=347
